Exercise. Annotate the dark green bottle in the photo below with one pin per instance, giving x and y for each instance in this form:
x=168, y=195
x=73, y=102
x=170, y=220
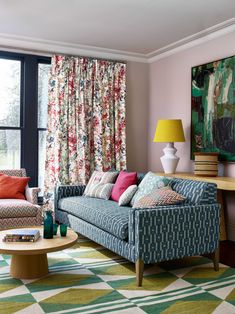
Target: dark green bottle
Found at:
x=48, y=225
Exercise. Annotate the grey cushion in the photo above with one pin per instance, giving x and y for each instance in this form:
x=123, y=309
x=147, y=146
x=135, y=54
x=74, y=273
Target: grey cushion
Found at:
x=195, y=192
x=107, y=215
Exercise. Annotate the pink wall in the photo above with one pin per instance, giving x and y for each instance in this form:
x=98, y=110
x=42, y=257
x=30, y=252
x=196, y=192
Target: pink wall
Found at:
x=137, y=115
x=170, y=97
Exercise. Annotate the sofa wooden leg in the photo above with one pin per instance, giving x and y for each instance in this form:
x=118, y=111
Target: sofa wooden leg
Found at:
x=139, y=268
x=215, y=258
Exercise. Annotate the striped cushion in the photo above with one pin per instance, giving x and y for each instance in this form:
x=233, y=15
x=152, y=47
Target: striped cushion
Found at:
x=164, y=196
x=100, y=190
x=106, y=215
x=100, y=177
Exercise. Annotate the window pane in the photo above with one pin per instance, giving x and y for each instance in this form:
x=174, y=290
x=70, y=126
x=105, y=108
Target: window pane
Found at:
x=43, y=75
x=10, y=92
x=9, y=149
x=41, y=159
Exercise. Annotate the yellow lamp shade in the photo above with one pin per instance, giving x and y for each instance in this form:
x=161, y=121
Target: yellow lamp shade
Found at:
x=169, y=131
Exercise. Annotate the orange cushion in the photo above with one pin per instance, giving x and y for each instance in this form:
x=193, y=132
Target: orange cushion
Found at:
x=13, y=187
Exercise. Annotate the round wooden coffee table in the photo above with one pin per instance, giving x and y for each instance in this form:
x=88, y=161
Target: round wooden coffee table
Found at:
x=29, y=259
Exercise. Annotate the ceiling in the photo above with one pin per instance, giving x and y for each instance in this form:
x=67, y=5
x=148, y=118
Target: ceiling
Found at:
x=138, y=27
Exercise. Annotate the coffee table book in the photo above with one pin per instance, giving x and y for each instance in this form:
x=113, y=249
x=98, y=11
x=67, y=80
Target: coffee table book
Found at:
x=24, y=235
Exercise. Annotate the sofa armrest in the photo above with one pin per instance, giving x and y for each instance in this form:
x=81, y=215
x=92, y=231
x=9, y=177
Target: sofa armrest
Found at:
x=171, y=232
x=62, y=191
x=31, y=194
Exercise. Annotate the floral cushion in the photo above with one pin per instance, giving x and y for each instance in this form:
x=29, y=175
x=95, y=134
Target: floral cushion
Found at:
x=126, y=197
x=150, y=182
x=100, y=190
x=164, y=196
x=100, y=177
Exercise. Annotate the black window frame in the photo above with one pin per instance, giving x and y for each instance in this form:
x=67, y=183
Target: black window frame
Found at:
x=28, y=111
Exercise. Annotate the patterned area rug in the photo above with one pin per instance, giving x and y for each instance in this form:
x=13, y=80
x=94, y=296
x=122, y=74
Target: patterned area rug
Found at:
x=90, y=279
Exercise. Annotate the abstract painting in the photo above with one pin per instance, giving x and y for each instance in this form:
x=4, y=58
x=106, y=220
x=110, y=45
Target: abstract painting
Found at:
x=213, y=108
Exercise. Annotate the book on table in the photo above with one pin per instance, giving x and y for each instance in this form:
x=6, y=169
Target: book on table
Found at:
x=22, y=235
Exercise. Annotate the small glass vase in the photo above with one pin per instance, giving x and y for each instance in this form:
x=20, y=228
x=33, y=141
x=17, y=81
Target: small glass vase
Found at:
x=48, y=225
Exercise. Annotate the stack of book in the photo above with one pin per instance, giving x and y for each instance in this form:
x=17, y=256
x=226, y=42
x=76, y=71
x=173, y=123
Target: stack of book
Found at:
x=206, y=164
x=22, y=235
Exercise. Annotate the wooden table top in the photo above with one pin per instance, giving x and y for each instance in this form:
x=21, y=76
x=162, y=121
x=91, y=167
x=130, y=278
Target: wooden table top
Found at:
x=223, y=183
x=41, y=246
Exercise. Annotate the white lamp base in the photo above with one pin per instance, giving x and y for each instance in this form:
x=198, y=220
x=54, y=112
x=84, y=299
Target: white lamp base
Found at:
x=169, y=159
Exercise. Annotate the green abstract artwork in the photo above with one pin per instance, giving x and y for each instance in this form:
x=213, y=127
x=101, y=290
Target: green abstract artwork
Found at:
x=213, y=108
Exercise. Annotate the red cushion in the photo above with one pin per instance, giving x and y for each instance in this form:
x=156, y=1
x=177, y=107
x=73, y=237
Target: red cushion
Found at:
x=124, y=180
x=13, y=187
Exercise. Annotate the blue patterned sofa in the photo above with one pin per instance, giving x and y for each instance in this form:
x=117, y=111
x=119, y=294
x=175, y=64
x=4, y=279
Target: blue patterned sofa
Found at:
x=146, y=236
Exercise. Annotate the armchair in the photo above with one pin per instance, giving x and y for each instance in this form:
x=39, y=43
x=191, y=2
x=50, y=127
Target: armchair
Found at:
x=17, y=212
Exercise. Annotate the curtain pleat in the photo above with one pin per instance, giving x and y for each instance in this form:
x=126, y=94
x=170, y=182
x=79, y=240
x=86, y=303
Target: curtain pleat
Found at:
x=86, y=119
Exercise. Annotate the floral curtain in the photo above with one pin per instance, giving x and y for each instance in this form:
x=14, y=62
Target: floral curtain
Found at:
x=86, y=119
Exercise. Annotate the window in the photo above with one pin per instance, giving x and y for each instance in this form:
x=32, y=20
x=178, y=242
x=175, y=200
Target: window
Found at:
x=10, y=134
x=23, y=112
x=43, y=75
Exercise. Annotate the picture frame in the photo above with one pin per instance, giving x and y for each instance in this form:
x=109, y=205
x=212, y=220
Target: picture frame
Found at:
x=213, y=108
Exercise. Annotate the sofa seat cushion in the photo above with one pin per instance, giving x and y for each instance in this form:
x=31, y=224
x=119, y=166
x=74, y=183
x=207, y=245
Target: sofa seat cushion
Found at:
x=15, y=208
x=107, y=215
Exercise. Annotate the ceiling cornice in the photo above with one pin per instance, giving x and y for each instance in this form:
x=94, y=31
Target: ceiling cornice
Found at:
x=47, y=47
x=36, y=45
x=194, y=40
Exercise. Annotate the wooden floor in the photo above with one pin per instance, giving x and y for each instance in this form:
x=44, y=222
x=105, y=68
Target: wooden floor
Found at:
x=227, y=253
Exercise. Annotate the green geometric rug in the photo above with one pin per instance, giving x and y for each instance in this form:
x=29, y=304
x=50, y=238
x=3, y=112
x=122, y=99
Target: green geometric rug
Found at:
x=88, y=278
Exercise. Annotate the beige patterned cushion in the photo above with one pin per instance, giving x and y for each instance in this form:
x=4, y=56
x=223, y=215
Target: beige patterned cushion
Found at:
x=164, y=196
x=126, y=196
x=100, y=177
x=100, y=190
x=13, y=208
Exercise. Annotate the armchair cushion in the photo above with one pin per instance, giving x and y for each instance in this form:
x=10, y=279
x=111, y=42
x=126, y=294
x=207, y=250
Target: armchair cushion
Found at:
x=12, y=187
x=16, y=208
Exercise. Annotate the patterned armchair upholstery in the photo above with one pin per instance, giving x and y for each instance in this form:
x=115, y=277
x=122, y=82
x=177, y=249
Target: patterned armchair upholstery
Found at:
x=20, y=213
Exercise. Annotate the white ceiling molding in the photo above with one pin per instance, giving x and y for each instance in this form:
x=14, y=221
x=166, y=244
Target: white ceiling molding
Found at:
x=35, y=45
x=47, y=47
x=194, y=40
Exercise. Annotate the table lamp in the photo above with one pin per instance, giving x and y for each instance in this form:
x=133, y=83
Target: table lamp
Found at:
x=169, y=131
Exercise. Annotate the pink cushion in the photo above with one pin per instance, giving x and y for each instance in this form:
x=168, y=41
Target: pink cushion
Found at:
x=124, y=180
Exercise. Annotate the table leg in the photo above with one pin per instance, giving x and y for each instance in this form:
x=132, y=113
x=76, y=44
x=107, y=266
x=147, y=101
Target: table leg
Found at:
x=220, y=199
x=29, y=266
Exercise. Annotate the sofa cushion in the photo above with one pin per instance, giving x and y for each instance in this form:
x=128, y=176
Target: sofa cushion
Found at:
x=149, y=183
x=106, y=215
x=100, y=190
x=126, y=197
x=14, y=208
x=195, y=192
x=100, y=177
x=124, y=180
x=159, y=197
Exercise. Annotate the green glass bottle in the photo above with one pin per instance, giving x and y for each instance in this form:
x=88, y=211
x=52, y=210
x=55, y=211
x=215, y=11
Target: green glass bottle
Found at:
x=48, y=225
